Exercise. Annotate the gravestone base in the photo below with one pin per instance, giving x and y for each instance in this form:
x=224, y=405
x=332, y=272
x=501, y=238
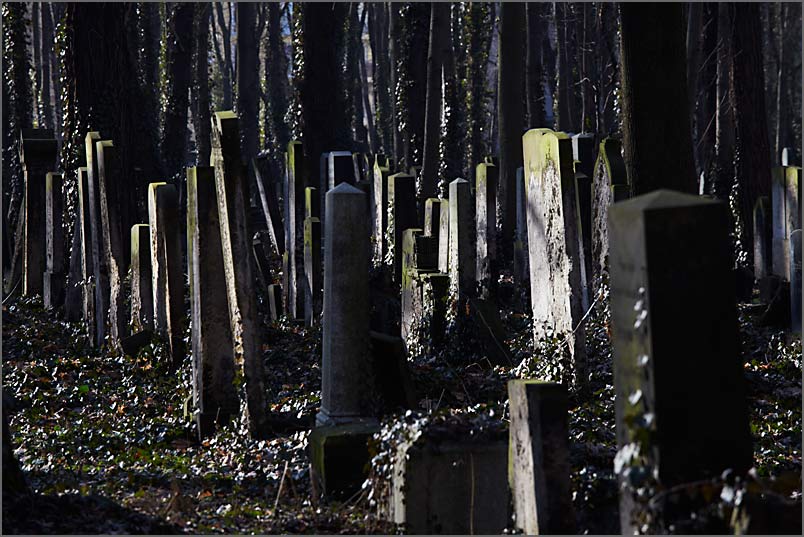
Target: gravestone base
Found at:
x=54, y=289
x=392, y=375
x=451, y=487
x=339, y=458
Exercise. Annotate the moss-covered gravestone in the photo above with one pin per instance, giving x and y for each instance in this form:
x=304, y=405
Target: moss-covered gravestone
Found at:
x=380, y=213
x=554, y=252
x=785, y=207
x=432, y=217
x=54, y=276
x=424, y=290
x=158, y=271
x=142, y=298
x=583, y=153
x=238, y=269
x=680, y=400
x=214, y=395
x=99, y=277
x=486, y=181
x=312, y=270
x=401, y=216
x=762, y=238
x=608, y=183
x=38, y=153
x=538, y=453
x=443, y=237
x=292, y=259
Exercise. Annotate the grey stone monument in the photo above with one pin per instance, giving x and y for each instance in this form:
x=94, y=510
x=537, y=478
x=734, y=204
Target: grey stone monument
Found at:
x=461, y=250
x=54, y=277
x=401, y=216
x=142, y=298
x=486, y=182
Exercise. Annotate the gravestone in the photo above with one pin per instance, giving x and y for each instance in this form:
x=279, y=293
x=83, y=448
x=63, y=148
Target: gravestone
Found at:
x=762, y=238
x=486, y=182
x=583, y=153
x=73, y=299
x=789, y=157
x=451, y=487
x=795, y=281
x=293, y=262
x=443, y=237
x=538, y=451
x=54, y=277
x=419, y=256
x=380, y=215
x=275, y=301
x=261, y=258
x=432, y=217
x=214, y=395
x=142, y=298
x=38, y=154
x=785, y=207
x=312, y=203
x=554, y=253
x=99, y=276
x=401, y=216
x=461, y=250
x=609, y=185
x=87, y=260
x=112, y=207
x=233, y=195
x=167, y=268
x=339, y=169
x=521, y=270
x=345, y=381
x=583, y=228
x=270, y=207
x=312, y=270
x=685, y=427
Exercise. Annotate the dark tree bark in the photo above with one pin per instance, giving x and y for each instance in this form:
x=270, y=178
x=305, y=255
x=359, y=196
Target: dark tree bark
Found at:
x=723, y=173
x=657, y=142
x=179, y=58
x=276, y=85
x=225, y=66
x=550, y=61
x=477, y=36
x=566, y=112
x=706, y=90
x=695, y=21
x=151, y=34
x=753, y=166
x=47, y=52
x=373, y=139
x=396, y=90
x=381, y=72
x=200, y=88
x=439, y=42
x=37, y=61
x=417, y=25
x=511, y=114
x=57, y=15
x=454, y=102
x=533, y=60
x=247, y=83
x=354, y=80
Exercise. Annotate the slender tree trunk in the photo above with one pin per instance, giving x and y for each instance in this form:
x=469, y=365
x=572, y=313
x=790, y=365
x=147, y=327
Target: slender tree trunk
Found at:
x=37, y=61
x=276, y=68
x=707, y=97
x=510, y=79
x=394, y=38
x=47, y=51
x=354, y=79
x=374, y=143
x=226, y=67
x=417, y=36
x=200, y=87
x=179, y=58
x=454, y=120
x=565, y=111
x=723, y=174
x=247, y=83
x=477, y=20
x=151, y=28
x=535, y=89
x=695, y=17
x=439, y=41
x=748, y=99
x=657, y=142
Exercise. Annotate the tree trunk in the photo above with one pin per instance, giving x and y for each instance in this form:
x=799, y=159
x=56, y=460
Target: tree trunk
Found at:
x=276, y=85
x=439, y=41
x=454, y=112
x=706, y=90
x=566, y=114
x=753, y=168
x=477, y=20
x=354, y=79
x=511, y=115
x=200, y=87
x=225, y=67
x=47, y=52
x=657, y=142
x=151, y=28
x=533, y=61
x=417, y=25
x=179, y=58
x=723, y=174
x=37, y=61
x=695, y=16
x=247, y=84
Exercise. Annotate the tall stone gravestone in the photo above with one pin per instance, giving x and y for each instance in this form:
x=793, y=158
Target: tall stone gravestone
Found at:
x=608, y=182
x=795, y=281
x=401, y=216
x=786, y=207
x=380, y=214
x=554, y=253
x=339, y=169
x=142, y=298
x=583, y=152
x=100, y=277
x=54, y=276
x=167, y=267
x=293, y=263
x=87, y=260
x=443, y=236
x=38, y=153
x=462, y=264
x=214, y=394
x=233, y=196
x=73, y=295
x=115, y=242
x=270, y=205
x=486, y=182
x=680, y=401
x=345, y=388
x=538, y=452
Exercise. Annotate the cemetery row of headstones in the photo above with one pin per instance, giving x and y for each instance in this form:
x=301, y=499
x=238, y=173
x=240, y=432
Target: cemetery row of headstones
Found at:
x=566, y=240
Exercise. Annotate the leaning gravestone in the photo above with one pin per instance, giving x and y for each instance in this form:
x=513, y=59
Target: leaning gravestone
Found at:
x=38, y=153
x=583, y=153
x=99, y=276
x=555, y=275
x=167, y=268
x=112, y=211
x=292, y=262
x=795, y=281
x=671, y=274
x=609, y=183
x=538, y=452
x=270, y=207
x=762, y=238
x=401, y=216
x=54, y=276
x=142, y=298
x=486, y=181
x=214, y=393
x=233, y=196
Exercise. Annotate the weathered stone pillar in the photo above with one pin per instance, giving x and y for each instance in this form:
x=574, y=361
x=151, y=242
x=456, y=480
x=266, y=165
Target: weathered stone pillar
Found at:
x=293, y=266
x=785, y=205
x=37, y=158
x=443, y=236
x=54, y=277
x=461, y=250
x=401, y=216
x=671, y=273
x=486, y=181
x=339, y=168
x=73, y=297
x=275, y=301
x=538, y=466
x=232, y=195
x=99, y=274
x=214, y=394
x=142, y=297
x=380, y=215
x=609, y=185
x=158, y=270
x=346, y=379
x=553, y=246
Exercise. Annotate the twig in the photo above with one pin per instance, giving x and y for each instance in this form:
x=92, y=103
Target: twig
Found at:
x=281, y=484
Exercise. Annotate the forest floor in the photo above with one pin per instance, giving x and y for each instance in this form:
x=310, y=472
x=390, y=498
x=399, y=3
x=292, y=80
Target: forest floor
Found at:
x=107, y=445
